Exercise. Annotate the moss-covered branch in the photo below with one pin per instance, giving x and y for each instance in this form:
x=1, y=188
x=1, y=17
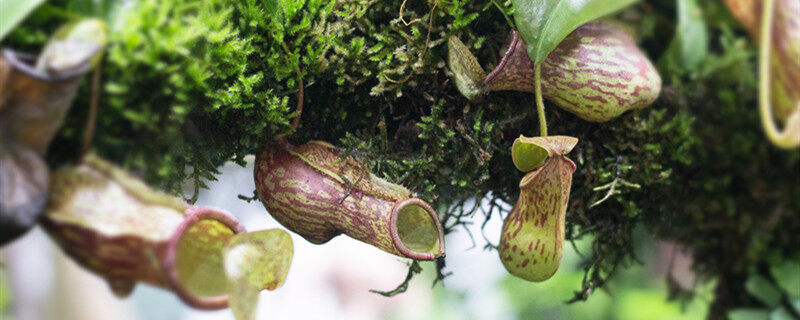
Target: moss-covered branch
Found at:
x=188, y=85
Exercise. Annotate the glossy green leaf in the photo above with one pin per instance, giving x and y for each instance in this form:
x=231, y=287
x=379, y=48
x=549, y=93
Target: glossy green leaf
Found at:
x=544, y=23
x=253, y=262
x=12, y=12
x=529, y=153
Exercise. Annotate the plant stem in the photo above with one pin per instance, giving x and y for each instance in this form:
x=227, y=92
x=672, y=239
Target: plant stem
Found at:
x=503, y=11
x=539, y=102
x=91, y=117
x=780, y=139
x=299, y=109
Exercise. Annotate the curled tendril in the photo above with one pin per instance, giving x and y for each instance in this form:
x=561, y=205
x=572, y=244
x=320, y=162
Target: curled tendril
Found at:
x=789, y=137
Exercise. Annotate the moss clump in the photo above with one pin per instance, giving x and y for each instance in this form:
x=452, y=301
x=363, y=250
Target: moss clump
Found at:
x=191, y=84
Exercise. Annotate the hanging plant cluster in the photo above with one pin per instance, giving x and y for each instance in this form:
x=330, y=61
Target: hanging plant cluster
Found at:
x=596, y=72
x=106, y=220
x=119, y=228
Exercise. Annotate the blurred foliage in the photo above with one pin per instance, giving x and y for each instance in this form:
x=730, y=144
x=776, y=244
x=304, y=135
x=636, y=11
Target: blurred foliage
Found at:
x=5, y=295
x=635, y=295
x=690, y=44
x=14, y=11
x=777, y=290
x=189, y=85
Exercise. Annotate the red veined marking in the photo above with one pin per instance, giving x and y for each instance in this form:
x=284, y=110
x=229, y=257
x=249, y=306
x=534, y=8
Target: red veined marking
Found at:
x=516, y=231
x=555, y=244
x=595, y=98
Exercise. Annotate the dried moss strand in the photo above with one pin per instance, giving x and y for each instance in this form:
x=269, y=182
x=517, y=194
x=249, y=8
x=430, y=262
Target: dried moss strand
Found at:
x=427, y=41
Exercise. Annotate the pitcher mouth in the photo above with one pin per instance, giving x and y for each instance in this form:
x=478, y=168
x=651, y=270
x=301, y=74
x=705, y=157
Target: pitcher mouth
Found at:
x=24, y=63
x=214, y=224
x=416, y=231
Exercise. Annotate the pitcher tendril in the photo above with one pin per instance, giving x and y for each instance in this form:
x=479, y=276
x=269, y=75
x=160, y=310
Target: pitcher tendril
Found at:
x=789, y=138
x=539, y=103
x=91, y=118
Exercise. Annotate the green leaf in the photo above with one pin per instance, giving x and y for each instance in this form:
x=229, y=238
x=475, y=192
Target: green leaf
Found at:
x=763, y=290
x=748, y=314
x=13, y=11
x=253, y=262
x=689, y=46
x=788, y=276
x=544, y=23
x=692, y=35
